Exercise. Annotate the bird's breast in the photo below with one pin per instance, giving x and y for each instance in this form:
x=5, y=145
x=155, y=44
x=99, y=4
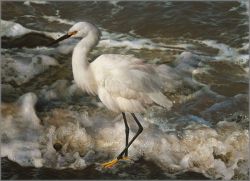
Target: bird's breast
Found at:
x=84, y=79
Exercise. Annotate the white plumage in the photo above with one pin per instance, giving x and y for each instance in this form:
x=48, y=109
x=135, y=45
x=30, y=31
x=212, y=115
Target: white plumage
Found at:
x=122, y=82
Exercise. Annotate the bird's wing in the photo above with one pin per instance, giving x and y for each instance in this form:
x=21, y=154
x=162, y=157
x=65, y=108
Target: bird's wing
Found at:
x=118, y=73
x=139, y=78
x=128, y=83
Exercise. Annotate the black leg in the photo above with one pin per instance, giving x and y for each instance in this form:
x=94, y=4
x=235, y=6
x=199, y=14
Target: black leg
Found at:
x=126, y=132
x=133, y=139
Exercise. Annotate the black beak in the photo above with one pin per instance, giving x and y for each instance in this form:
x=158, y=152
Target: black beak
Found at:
x=60, y=39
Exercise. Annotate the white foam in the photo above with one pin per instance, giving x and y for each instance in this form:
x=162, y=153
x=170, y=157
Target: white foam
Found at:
x=11, y=29
x=114, y=2
x=21, y=131
x=225, y=51
x=60, y=20
x=228, y=53
x=67, y=46
x=27, y=2
x=181, y=74
x=86, y=140
x=60, y=90
x=21, y=67
x=131, y=42
x=134, y=44
x=245, y=3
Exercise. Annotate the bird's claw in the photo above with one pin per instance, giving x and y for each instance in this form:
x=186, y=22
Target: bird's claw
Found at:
x=111, y=163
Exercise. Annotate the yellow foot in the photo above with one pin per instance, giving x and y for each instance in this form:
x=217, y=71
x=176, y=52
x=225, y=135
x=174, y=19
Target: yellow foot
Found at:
x=113, y=162
x=110, y=163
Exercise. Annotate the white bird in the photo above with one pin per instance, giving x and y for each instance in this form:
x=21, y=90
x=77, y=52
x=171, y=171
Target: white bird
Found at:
x=122, y=82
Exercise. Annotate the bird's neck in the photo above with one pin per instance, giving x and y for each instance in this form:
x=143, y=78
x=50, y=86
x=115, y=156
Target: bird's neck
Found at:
x=83, y=48
x=82, y=73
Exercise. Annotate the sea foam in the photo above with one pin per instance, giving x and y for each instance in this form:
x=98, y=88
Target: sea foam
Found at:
x=84, y=140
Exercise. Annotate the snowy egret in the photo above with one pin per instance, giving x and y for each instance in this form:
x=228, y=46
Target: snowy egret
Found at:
x=122, y=82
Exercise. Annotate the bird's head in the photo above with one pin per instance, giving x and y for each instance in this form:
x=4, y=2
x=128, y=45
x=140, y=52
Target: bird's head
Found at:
x=81, y=29
x=78, y=30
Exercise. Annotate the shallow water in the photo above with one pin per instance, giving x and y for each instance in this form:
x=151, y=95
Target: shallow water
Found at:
x=199, y=49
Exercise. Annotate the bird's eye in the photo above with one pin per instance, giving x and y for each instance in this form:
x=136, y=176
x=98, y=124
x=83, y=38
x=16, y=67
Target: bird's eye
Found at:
x=72, y=33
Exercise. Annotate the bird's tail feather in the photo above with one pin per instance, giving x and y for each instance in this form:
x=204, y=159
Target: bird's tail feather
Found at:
x=161, y=99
